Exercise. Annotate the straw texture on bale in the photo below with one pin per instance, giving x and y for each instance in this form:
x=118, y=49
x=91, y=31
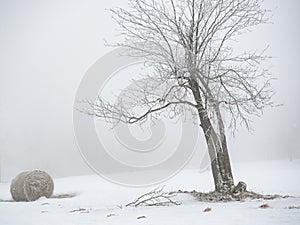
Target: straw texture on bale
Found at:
x=31, y=185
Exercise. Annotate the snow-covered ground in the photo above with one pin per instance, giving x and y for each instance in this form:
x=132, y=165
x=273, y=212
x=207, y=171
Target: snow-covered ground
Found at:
x=98, y=201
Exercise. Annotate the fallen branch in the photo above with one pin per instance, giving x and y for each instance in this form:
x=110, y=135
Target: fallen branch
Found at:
x=155, y=197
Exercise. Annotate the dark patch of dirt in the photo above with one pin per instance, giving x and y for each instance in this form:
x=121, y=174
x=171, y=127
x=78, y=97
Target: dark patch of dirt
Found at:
x=7, y=200
x=141, y=217
x=264, y=206
x=64, y=196
x=81, y=210
x=60, y=196
x=207, y=209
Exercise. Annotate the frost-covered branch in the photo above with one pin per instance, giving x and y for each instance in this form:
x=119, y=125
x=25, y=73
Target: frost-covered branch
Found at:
x=180, y=39
x=155, y=197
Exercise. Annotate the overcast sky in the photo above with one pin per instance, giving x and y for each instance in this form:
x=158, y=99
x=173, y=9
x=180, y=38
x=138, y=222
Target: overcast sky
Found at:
x=46, y=47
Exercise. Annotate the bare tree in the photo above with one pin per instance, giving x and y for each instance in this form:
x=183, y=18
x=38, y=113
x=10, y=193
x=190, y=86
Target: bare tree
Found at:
x=189, y=46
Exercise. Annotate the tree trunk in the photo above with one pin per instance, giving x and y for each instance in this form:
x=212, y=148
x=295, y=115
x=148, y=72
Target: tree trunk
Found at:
x=217, y=146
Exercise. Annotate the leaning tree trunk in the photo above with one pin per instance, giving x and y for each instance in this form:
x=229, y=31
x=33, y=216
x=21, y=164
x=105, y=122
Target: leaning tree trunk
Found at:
x=217, y=147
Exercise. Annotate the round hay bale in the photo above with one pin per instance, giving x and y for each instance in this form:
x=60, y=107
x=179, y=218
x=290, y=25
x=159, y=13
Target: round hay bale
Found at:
x=31, y=185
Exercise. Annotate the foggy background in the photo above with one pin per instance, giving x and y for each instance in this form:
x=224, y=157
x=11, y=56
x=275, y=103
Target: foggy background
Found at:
x=46, y=47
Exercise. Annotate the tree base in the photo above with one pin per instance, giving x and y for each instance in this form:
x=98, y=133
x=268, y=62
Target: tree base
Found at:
x=238, y=193
x=217, y=197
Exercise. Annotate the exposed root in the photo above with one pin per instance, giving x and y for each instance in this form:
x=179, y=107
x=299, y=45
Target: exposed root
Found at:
x=226, y=197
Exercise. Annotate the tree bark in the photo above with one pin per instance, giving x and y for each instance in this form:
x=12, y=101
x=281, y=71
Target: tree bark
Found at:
x=217, y=147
